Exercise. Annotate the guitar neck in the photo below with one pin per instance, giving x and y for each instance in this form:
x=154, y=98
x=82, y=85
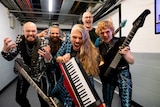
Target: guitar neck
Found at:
x=118, y=57
x=129, y=37
x=126, y=42
x=49, y=100
x=117, y=30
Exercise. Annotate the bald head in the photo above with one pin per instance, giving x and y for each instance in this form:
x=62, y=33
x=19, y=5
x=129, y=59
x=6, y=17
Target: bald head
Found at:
x=29, y=24
x=30, y=31
x=87, y=13
x=87, y=20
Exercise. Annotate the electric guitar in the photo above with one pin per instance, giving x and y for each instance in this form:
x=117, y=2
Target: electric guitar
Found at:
x=19, y=67
x=121, y=26
x=136, y=25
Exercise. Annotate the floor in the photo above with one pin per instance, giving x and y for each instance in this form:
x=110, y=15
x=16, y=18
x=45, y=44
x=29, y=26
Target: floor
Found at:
x=7, y=98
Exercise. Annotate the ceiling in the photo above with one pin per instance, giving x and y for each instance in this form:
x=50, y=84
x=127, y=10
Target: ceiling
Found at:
x=66, y=12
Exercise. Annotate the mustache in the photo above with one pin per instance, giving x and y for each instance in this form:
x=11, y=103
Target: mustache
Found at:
x=31, y=36
x=52, y=38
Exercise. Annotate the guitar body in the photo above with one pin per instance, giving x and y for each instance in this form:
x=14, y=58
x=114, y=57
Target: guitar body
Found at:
x=109, y=72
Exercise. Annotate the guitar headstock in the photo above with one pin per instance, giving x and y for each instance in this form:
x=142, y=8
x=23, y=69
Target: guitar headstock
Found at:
x=140, y=20
x=123, y=23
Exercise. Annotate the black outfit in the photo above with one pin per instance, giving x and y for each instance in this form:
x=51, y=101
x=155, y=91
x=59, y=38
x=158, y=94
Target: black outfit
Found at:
x=30, y=56
x=93, y=35
x=120, y=76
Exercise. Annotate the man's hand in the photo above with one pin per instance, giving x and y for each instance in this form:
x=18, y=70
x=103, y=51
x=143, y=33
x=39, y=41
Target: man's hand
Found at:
x=66, y=57
x=45, y=52
x=8, y=45
x=43, y=33
x=64, y=37
x=124, y=51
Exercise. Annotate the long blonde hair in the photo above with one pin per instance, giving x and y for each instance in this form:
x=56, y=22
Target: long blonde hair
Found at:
x=88, y=52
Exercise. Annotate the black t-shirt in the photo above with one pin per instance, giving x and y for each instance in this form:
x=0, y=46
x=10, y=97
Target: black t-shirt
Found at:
x=93, y=35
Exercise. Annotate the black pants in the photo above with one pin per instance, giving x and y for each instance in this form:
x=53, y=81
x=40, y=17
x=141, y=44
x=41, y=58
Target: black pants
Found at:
x=21, y=92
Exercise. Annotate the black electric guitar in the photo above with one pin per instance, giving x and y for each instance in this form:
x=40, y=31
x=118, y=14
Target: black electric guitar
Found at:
x=21, y=69
x=136, y=25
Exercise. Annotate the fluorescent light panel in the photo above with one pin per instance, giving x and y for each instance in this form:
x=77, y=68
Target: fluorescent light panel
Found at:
x=50, y=5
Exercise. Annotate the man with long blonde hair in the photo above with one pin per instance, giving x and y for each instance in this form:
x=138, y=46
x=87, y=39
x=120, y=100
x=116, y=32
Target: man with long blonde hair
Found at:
x=83, y=48
x=85, y=51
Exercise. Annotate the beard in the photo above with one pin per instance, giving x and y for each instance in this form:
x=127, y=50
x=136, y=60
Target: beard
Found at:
x=54, y=39
x=55, y=45
x=31, y=42
x=31, y=39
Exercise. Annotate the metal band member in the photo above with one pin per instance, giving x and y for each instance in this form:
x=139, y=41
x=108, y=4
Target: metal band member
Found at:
x=121, y=76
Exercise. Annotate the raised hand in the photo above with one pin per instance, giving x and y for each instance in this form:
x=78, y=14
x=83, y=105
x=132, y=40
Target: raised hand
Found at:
x=8, y=45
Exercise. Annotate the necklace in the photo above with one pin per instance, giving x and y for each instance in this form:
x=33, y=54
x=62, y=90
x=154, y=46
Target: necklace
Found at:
x=30, y=51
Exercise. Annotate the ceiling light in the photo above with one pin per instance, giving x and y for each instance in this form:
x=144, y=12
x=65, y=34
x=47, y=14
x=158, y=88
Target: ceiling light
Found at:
x=50, y=5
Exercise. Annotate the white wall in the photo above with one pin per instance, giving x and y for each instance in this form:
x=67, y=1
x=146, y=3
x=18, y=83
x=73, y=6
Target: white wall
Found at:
x=145, y=39
x=145, y=46
x=6, y=67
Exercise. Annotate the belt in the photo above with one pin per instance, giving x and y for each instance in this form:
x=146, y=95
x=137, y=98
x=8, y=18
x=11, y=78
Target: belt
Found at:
x=122, y=68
